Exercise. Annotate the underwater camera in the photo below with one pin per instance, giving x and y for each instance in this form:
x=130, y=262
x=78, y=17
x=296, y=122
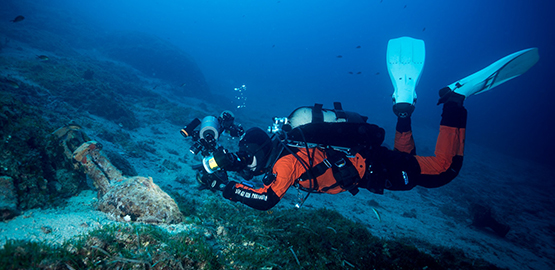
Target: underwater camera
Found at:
x=228, y=125
x=205, y=138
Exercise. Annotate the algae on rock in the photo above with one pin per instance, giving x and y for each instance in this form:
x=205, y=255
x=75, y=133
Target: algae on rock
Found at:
x=140, y=199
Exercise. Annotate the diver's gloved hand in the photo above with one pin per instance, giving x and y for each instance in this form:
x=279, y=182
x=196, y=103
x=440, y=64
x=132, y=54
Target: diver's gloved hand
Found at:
x=227, y=161
x=223, y=158
x=212, y=181
x=228, y=191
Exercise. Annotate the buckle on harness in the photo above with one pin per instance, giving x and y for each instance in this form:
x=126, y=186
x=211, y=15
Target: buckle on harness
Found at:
x=327, y=163
x=340, y=163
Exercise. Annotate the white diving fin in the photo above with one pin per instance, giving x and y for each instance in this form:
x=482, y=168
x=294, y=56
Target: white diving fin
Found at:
x=405, y=61
x=506, y=68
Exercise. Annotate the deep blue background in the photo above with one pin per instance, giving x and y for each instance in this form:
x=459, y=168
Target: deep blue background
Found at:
x=286, y=51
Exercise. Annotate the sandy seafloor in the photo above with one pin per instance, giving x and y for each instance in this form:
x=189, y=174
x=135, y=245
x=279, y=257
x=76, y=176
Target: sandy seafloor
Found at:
x=437, y=216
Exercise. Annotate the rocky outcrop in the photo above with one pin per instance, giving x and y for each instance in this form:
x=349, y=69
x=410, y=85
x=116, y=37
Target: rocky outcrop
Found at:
x=30, y=157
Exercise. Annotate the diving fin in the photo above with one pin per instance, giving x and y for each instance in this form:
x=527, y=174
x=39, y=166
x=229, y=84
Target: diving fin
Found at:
x=405, y=61
x=506, y=68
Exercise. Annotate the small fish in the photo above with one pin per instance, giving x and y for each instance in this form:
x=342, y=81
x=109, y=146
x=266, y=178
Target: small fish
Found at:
x=377, y=73
x=350, y=72
x=339, y=56
x=423, y=29
x=377, y=214
x=154, y=87
x=183, y=84
x=43, y=57
x=405, y=6
x=360, y=72
x=358, y=47
x=273, y=46
x=18, y=19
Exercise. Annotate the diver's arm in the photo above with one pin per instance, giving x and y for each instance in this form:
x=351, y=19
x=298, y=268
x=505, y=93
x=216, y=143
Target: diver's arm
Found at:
x=262, y=199
x=286, y=171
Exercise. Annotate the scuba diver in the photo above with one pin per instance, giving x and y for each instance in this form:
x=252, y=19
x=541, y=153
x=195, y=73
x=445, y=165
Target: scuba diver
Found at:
x=331, y=151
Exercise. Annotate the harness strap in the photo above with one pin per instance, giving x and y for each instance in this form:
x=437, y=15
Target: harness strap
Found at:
x=344, y=172
x=317, y=114
x=339, y=112
x=316, y=171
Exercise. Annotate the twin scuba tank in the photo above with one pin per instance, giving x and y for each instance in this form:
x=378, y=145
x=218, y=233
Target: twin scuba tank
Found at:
x=314, y=126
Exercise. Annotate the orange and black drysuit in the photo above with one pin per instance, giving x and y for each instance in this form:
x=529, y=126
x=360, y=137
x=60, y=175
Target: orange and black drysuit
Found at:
x=377, y=169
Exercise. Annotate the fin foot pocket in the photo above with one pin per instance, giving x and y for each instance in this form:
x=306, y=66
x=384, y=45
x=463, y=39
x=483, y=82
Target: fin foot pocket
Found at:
x=403, y=110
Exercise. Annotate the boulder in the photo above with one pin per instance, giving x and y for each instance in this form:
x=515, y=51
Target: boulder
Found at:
x=140, y=199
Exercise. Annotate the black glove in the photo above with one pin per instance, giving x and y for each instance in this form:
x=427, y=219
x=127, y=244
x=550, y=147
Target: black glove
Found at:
x=223, y=158
x=231, y=161
x=228, y=191
x=213, y=181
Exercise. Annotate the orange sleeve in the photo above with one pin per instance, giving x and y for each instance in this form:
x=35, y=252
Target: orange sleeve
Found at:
x=287, y=169
x=450, y=143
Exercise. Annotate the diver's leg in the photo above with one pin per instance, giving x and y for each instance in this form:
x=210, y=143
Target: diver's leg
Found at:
x=404, y=142
x=392, y=169
x=438, y=170
x=399, y=170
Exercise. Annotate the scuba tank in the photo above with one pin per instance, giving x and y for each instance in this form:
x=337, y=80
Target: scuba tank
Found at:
x=315, y=126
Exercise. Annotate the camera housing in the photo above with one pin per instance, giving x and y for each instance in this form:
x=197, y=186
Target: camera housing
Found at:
x=206, y=137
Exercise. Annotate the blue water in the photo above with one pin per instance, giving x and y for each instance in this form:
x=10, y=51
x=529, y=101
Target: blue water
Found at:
x=286, y=52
